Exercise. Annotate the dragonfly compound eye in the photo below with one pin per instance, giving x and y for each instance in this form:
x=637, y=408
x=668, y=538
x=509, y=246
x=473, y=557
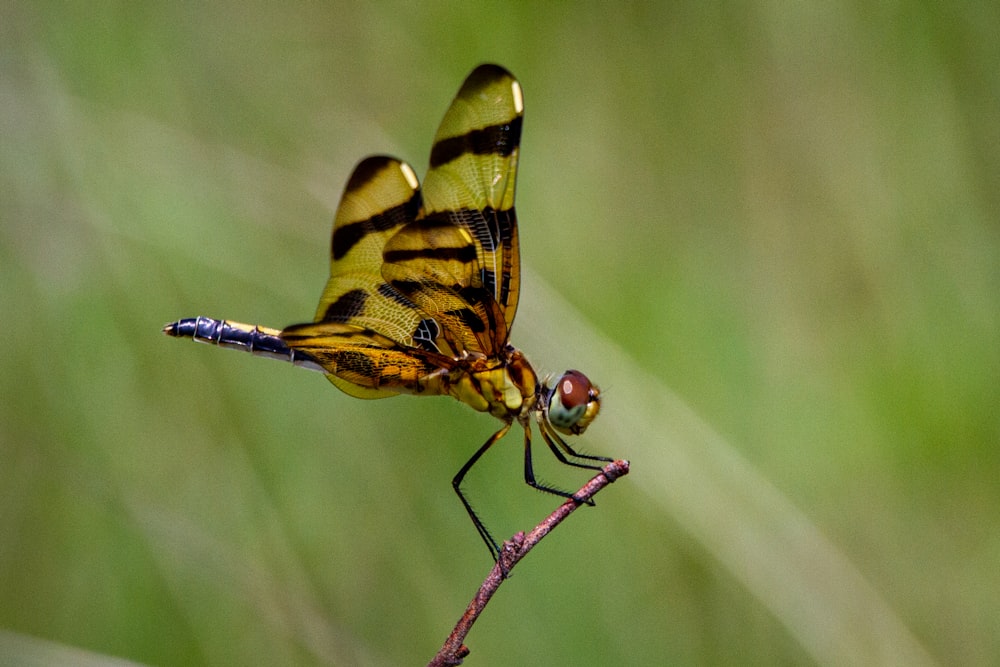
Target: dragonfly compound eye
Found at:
x=574, y=403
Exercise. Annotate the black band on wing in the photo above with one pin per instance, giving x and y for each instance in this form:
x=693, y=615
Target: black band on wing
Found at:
x=462, y=254
x=349, y=304
x=347, y=236
x=501, y=139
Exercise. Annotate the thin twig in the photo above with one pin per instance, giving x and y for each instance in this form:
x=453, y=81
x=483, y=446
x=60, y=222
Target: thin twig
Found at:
x=513, y=550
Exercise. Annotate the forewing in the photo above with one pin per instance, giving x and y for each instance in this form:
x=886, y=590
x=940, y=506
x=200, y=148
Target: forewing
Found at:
x=459, y=261
x=381, y=197
x=364, y=328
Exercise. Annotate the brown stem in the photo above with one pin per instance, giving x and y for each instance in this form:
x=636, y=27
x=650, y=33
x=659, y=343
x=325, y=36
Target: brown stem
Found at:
x=513, y=550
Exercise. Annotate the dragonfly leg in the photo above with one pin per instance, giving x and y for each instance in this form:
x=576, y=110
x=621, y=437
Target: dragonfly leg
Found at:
x=529, y=472
x=558, y=446
x=456, y=483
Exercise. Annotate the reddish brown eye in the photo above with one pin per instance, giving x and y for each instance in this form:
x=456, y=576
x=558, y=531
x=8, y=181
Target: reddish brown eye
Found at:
x=573, y=404
x=574, y=389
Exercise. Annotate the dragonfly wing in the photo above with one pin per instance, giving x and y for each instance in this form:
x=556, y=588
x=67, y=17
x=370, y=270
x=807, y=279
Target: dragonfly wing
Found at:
x=460, y=260
x=366, y=333
x=362, y=362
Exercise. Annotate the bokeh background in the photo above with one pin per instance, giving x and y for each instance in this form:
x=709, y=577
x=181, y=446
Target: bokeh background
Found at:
x=769, y=232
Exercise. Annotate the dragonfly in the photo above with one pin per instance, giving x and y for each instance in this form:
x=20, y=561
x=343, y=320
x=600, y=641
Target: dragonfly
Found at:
x=424, y=285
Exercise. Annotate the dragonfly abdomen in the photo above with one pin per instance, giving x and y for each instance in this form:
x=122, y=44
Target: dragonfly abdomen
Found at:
x=261, y=341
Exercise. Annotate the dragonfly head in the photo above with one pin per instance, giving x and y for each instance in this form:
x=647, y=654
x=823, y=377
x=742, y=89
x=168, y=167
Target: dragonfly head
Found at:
x=572, y=403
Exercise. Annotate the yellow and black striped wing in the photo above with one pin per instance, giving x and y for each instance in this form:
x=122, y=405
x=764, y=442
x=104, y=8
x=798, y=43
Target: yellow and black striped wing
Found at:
x=459, y=261
x=417, y=281
x=381, y=197
x=362, y=362
x=364, y=330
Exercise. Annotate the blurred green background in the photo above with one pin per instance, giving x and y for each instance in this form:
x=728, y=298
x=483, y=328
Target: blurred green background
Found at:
x=769, y=232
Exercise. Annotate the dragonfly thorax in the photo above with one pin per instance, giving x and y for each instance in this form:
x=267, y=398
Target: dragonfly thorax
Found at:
x=504, y=386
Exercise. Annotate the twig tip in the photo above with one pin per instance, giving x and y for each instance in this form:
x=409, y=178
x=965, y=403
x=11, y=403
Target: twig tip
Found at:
x=616, y=469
